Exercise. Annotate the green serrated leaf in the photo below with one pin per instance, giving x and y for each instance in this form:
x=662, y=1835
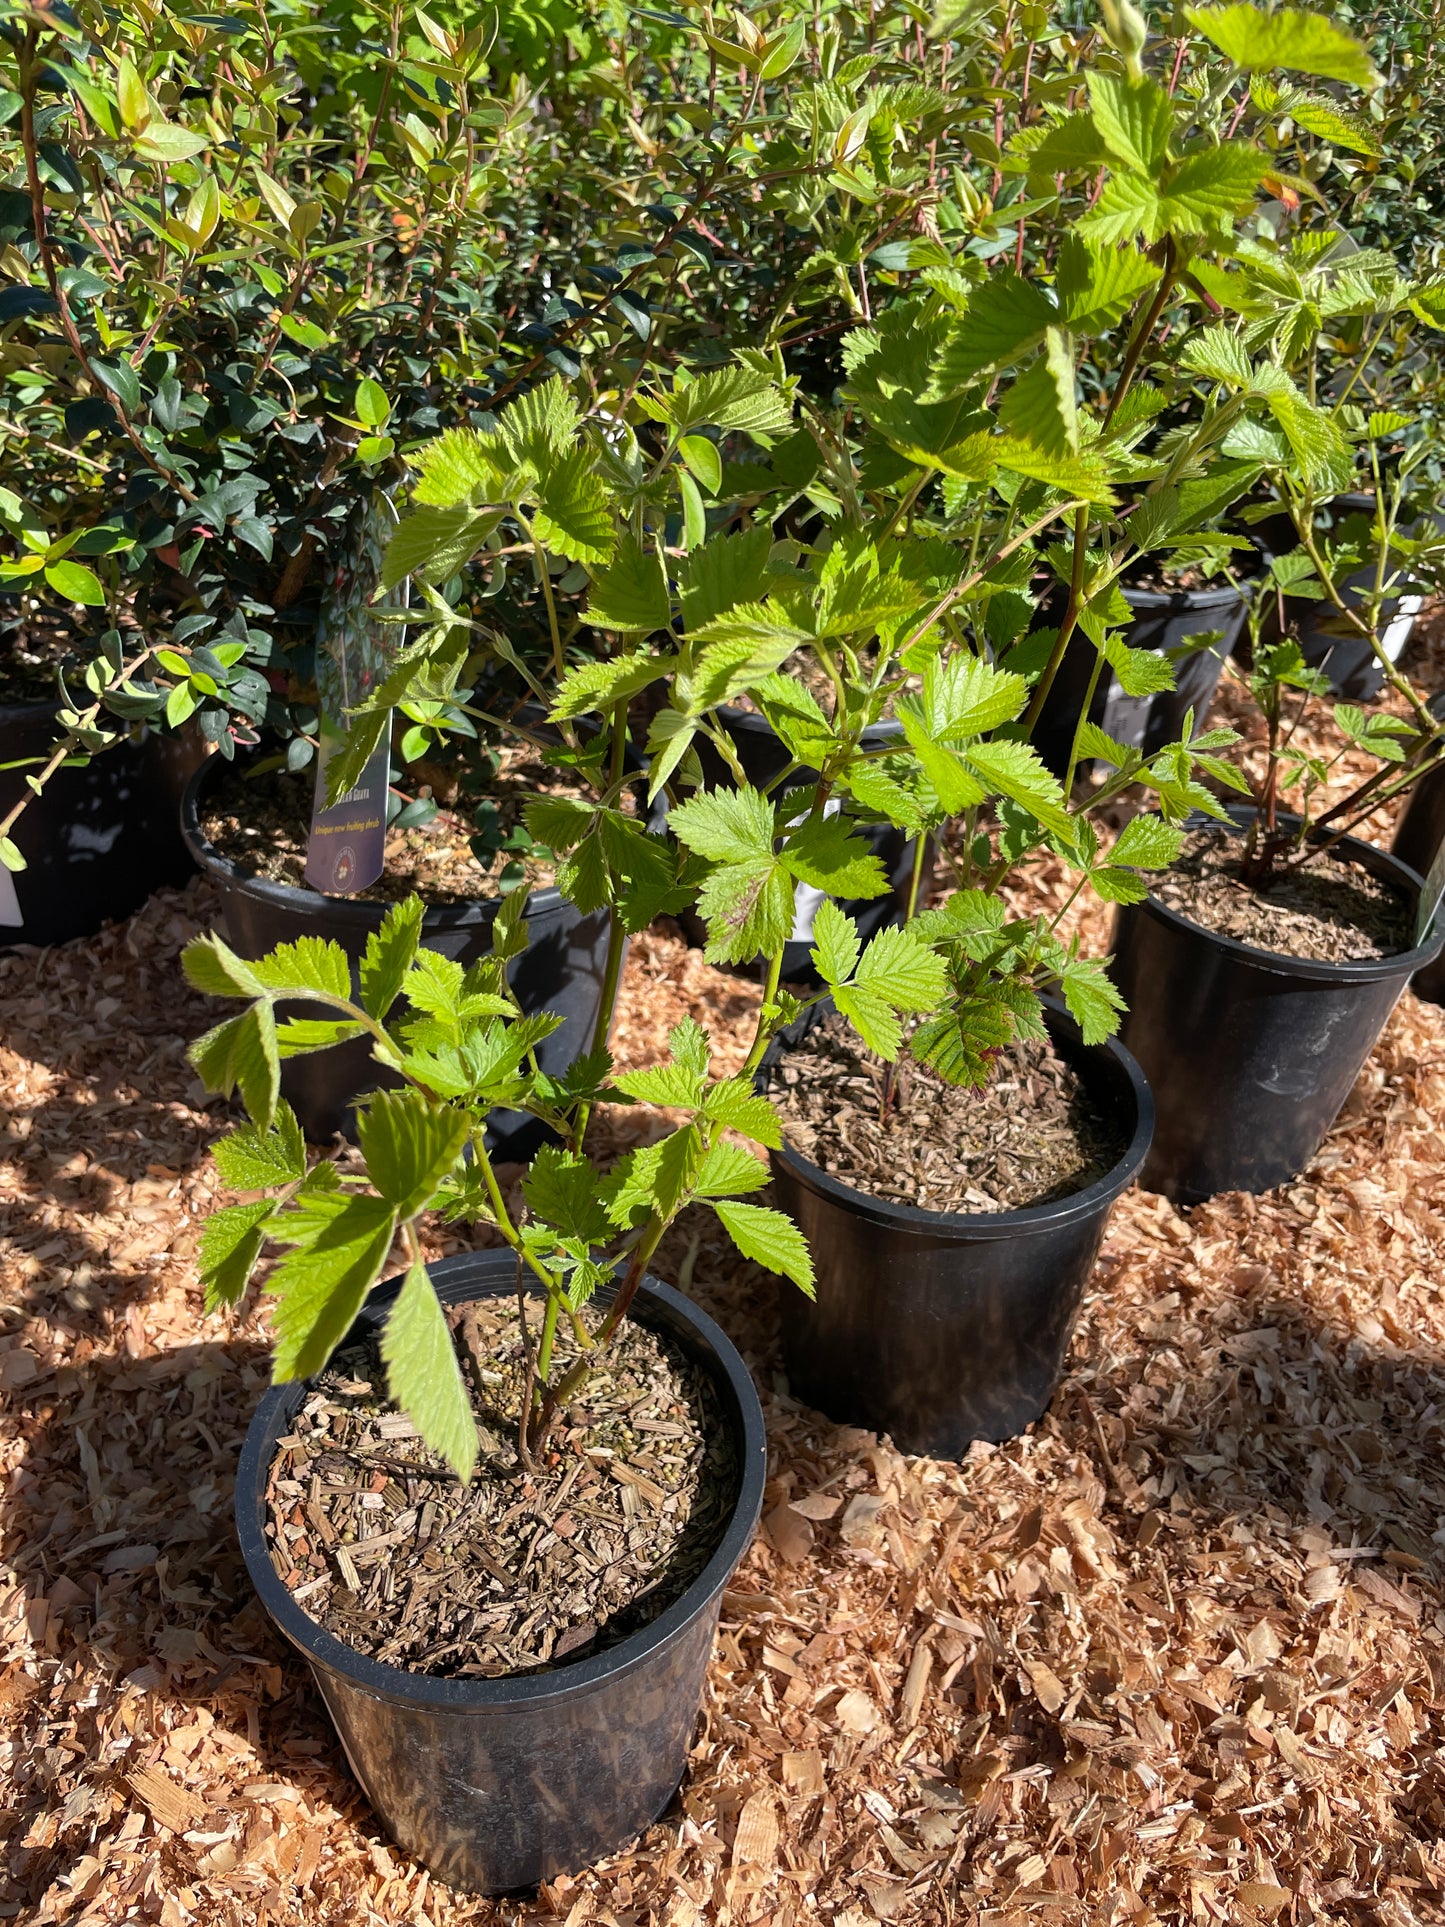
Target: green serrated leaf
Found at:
x=769, y=1239
x=389, y=954
x=727, y=1171
x=630, y=595
x=836, y=948
x=250, y=1159
x=1147, y=843
x=1134, y=117
x=1040, y=407
x=341, y=1244
x=231, y=1242
x=825, y=854
x=242, y=1055
x=1291, y=38
x=423, y=1375
x=213, y=968
x=737, y=1105
x=410, y=1143
x=315, y=964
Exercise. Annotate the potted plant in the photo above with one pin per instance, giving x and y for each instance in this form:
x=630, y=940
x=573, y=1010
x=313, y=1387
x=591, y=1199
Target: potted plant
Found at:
x=103, y=833
x=521, y=1735
x=956, y=452
x=1260, y=974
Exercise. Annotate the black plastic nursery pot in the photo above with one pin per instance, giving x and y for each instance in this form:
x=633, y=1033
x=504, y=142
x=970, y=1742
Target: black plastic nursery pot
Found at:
x=496, y=1784
x=1327, y=640
x=1163, y=621
x=99, y=839
x=763, y=755
x=561, y=970
x=1418, y=837
x=942, y=1328
x=1250, y=1054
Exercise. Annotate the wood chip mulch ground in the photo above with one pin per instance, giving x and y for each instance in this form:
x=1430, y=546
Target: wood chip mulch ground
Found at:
x=1176, y=1656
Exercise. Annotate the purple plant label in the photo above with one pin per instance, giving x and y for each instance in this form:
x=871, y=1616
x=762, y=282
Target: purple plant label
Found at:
x=1430, y=896
x=347, y=847
x=355, y=645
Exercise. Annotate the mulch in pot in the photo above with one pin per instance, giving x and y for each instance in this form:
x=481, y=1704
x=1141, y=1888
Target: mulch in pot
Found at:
x=381, y=1544
x=1032, y=1135
x=1331, y=910
x=262, y=823
x=34, y=643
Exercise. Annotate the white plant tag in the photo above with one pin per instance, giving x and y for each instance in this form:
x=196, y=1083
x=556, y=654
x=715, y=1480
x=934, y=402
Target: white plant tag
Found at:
x=10, y=911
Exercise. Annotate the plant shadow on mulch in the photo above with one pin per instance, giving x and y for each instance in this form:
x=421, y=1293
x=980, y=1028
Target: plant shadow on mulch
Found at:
x=120, y=1530
x=107, y=1121
x=119, y=1526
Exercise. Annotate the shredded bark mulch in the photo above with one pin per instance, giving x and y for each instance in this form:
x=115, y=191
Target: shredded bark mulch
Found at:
x=1031, y=1135
x=1330, y=910
x=1176, y=1654
x=519, y=1570
x=262, y=823
x=34, y=643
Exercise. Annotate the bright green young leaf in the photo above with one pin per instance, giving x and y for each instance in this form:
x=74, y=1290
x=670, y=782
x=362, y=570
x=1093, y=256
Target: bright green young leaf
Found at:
x=836, y=948
x=728, y=1171
x=1147, y=843
x=1005, y=318
x=1291, y=38
x=736, y=397
x=562, y=1193
x=310, y=963
x=1015, y=771
x=1094, y=1003
x=703, y=460
x=726, y=826
x=630, y=595
x=242, y=1055
x=250, y=1159
x=342, y=1242
x=769, y=1239
x=737, y=1105
x=214, y=969
x=423, y=1375
x=389, y=955
x=824, y=853
x=231, y=1243
x=1040, y=407
x=606, y=681
x=163, y=141
x=572, y=516
x=1134, y=117
x=410, y=1144
x=76, y=584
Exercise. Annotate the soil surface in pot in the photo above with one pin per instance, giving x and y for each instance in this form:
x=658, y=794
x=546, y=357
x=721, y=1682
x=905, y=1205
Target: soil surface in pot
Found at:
x=34, y=643
x=378, y=1541
x=261, y=823
x=1032, y=1135
x=1332, y=911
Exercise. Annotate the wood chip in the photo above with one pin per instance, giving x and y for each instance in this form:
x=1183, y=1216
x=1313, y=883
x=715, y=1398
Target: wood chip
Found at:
x=172, y=1805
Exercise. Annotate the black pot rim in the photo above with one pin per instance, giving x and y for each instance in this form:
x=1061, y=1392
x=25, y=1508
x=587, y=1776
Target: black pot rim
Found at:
x=979, y=1227
x=1151, y=601
x=1361, y=970
x=355, y=912
x=886, y=730
x=398, y=1685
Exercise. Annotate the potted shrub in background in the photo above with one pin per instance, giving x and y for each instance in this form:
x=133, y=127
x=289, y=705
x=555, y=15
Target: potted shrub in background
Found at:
x=1259, y=975
x=103, y=833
